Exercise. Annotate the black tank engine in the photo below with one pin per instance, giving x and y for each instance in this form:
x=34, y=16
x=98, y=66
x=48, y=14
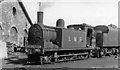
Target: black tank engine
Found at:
x=51, y=44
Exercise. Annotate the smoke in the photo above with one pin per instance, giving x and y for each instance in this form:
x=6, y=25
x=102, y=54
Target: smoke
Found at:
x=41, y=4
x=45, y=5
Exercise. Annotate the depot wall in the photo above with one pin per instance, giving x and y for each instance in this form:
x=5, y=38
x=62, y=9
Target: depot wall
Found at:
x=13, y=23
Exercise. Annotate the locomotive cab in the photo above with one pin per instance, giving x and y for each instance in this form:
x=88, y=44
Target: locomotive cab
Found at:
x=100, y=31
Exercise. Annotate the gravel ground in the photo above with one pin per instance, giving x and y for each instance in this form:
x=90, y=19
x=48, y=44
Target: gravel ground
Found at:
x=19, y=59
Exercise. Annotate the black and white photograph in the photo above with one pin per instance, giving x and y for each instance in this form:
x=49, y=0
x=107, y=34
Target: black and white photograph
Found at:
x=59, y=34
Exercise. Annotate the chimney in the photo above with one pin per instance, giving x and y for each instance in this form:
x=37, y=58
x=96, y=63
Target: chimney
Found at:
x=40, y=14
x=40, y=17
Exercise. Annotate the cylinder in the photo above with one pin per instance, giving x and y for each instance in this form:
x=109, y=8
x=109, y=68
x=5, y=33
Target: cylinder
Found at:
x=40, y=17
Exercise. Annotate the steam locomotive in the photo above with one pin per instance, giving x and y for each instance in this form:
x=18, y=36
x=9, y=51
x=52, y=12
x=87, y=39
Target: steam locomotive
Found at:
x=78, y=41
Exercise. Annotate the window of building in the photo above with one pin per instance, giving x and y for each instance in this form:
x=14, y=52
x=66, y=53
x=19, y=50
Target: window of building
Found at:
x=14, y=11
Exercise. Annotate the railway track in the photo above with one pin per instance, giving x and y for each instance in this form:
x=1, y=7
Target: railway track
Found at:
x=20, y=62
x=21, y=59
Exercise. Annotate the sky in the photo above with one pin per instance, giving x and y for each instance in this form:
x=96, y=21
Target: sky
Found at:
x=92, y=12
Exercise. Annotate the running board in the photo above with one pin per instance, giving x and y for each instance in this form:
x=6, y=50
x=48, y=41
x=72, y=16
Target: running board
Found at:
x=72, y=54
